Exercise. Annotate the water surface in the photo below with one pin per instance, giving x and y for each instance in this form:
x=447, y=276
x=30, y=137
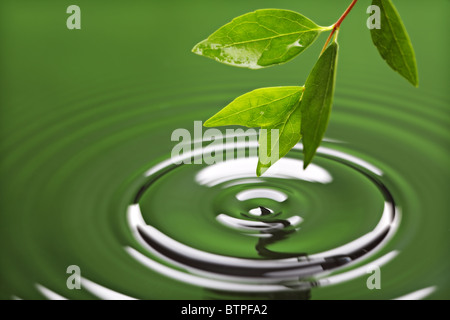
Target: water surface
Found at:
x=86, y=120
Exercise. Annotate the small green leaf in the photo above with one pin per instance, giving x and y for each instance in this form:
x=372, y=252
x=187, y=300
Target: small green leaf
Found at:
x=269, y=108
x=393, y=42
x=260, y=39
x=317, y=101
x=287, y=137
x=260, y=108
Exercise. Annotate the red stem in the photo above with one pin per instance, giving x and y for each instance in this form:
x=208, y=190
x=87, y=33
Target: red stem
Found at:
x=337, y=25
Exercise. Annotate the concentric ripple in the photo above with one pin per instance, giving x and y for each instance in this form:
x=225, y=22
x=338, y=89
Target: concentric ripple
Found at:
x=218, y=231
x=276, y=224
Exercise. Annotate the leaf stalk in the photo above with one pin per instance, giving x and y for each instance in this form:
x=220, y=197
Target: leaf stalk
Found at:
x=337, y=25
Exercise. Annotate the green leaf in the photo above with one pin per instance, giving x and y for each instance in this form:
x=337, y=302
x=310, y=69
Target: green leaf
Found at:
x=260, y=39
x=260, y=108
x=285, y=139
x=317, y=101
x=269, y=108
x=393, y=42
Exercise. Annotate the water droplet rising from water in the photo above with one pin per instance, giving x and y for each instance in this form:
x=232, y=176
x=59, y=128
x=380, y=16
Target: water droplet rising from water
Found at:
x=260, y=211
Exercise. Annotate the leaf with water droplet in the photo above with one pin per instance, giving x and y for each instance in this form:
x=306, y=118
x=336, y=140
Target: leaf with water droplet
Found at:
x=393, y=42
x=317, y=101
x=260, y=39
x=269, y=108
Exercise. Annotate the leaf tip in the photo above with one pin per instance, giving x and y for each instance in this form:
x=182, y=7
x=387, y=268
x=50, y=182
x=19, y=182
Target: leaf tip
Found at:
x=413, y=77
x=260, y=170
x=414, y=81
x=306, y=164
x=197, y=49
x=308, y=157
x=209, y=123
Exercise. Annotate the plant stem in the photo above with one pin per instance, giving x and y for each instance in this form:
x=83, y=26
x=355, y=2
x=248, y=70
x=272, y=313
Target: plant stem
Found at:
x=337, y=25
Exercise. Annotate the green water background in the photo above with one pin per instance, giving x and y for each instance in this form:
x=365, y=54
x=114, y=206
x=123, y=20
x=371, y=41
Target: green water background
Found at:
x=83, y=113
